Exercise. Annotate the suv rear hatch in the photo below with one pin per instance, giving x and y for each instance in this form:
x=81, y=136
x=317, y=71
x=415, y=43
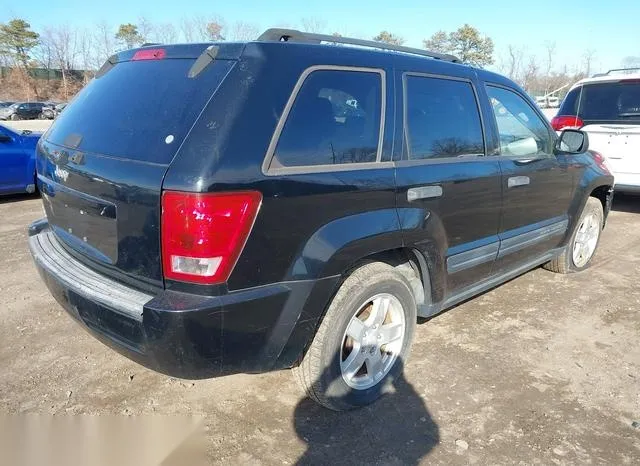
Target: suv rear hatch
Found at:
x=101, y=165
x=610, y=114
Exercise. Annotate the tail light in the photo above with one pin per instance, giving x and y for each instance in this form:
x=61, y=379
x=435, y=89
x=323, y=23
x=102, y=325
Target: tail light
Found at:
x=601, y=161
x=203, y=234
x=561, y=122
x=149, y=54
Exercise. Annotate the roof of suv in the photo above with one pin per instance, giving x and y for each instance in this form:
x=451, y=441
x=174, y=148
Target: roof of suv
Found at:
x=611, y=76
x=290, y=36
x=330, y=45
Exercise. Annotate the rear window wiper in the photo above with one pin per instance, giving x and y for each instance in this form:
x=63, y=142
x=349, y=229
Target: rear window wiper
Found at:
x=629, y=114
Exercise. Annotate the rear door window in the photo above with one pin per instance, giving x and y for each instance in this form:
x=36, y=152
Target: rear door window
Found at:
x=612, y=101
x=335, y=119
x=441, y=118
x=139, y=110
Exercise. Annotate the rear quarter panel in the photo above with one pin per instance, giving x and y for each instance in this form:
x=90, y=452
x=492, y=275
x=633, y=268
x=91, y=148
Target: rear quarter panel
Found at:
x=309, y=223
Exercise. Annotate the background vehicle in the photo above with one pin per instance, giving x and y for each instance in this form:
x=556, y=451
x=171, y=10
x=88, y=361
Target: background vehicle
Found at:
x=375, y=196
x=553, y=101
x=541, y=101
x=58, y=109
x=607, y=108
x=22, y=111
x=48, y=111
x=5, y=104
x=17, y=161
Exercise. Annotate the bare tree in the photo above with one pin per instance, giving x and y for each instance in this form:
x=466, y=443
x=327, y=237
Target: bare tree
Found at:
x=165, y=33
x=104, y=43
x=146, y=29
x=530, y=75
x=188, y=30
x=588, y=59
x=513, y=64
x=313, y=24
x=201, y=28
x=550, y=49
x=86, y=53
x=43, y=54
x=64, y=43
x=630, y=62
x=244, y=31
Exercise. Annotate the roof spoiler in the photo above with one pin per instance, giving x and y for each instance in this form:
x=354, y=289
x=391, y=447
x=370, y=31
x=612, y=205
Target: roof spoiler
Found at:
x=292, y=35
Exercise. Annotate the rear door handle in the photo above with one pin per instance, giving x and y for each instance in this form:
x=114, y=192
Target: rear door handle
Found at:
x=423, y=192
x=515, y=181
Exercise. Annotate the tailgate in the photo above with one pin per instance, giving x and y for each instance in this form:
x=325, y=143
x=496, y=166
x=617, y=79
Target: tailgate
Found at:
x=101, y=165
x=620, y=144
x=106, y=210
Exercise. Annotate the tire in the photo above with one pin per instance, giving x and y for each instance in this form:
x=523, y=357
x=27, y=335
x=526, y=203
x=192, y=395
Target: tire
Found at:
x=14, y=117
x=374, y=289
x=566, y=262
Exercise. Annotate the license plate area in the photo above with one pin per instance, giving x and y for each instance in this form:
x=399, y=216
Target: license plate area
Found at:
x=85, y=223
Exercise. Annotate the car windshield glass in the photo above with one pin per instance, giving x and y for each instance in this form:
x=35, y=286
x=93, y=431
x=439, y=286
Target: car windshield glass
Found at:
x=619, y=101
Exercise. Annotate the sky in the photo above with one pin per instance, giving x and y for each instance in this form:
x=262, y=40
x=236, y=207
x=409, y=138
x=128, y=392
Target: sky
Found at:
x=609, y=29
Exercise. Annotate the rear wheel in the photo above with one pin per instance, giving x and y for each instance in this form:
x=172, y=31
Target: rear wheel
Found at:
x=581, y=249
x=14, y=117
x=362, y=341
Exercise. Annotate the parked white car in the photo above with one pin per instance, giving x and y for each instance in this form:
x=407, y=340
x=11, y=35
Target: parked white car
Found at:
x=607, y=108
x=541, y=101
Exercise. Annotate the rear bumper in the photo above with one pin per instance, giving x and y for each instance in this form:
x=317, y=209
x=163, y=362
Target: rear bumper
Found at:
x=628, y=188
x=627, y=182
x=185, y=335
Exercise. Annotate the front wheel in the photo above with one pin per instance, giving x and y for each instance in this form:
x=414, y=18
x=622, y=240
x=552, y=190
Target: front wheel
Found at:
x=363, y=340
x=581, y=249
x=14, y=117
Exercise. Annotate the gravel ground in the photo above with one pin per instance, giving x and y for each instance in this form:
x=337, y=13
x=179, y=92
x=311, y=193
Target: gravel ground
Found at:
x=542, y=370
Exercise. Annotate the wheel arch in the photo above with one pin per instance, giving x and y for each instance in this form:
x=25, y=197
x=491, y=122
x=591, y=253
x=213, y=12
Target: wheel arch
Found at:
x=604, y=193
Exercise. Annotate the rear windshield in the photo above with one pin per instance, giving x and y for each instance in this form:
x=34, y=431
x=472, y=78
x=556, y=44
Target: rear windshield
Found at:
x=619, y=102
x=139, y=110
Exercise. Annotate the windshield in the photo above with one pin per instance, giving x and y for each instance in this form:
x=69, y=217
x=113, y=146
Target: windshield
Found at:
x=139, y=110
x=619, y=101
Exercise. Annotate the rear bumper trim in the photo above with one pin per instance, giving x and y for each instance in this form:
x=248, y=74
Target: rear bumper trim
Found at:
x=627, y=188
x=51, y=256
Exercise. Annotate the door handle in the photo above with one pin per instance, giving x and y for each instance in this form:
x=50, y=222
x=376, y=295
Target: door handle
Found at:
x=423, y=192
x=515, y=181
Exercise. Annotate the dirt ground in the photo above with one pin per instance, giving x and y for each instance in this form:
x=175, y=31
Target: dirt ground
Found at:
x=542, y=370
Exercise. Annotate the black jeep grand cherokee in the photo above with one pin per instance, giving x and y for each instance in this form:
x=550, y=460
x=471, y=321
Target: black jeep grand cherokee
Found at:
x=245, y=207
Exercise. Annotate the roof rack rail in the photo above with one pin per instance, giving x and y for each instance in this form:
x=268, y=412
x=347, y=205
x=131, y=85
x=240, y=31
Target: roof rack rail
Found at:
x=617, y=71
x=292, y=35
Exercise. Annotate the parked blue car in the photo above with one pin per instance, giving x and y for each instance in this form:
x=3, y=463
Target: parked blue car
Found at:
x=17, y=161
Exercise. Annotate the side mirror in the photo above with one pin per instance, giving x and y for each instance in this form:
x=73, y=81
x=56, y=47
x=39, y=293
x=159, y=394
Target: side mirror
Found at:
x=5, y=138
x=572, y=141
